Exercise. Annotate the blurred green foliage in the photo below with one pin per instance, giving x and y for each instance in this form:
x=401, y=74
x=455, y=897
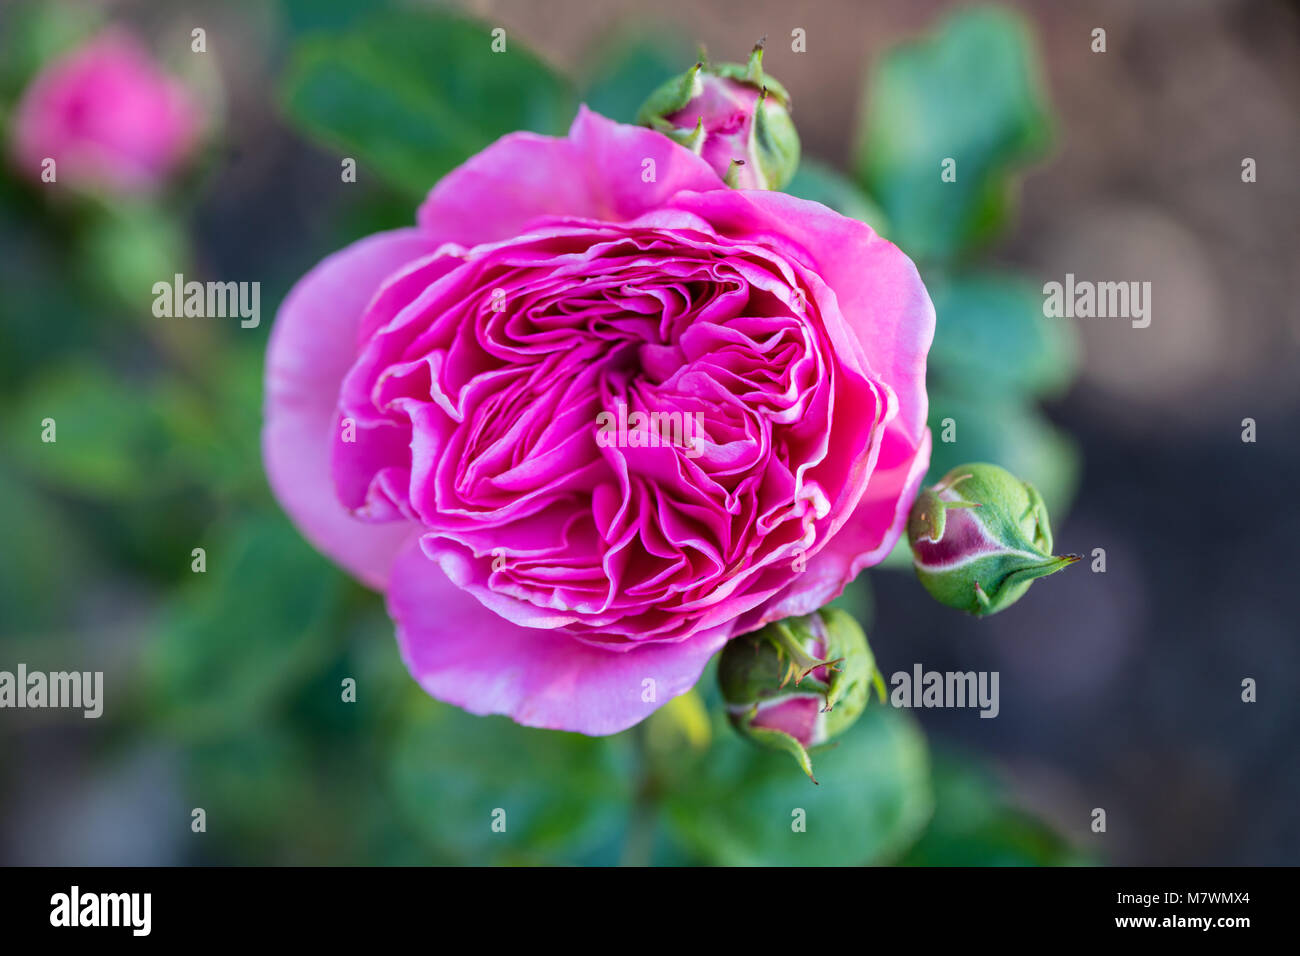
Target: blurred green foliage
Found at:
x=824, y=184
x=241, y=669
x=741, y=806
x=558, y=797
x=625, y=67
x=229, y=644
x=975, y=824
x=413, y=95
x=971, y=92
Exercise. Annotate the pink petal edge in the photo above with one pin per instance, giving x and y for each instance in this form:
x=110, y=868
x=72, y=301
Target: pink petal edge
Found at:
x=465, y=654
x=312, y=345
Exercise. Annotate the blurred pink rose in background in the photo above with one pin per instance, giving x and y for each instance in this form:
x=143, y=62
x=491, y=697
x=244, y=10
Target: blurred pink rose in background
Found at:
x=108, y=116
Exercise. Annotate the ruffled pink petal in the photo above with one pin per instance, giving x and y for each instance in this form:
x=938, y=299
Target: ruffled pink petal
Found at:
x=864, y=540
x=598, y=172
x=878, y=288
x=465, y=654
x=876, y=524
x=312, y=345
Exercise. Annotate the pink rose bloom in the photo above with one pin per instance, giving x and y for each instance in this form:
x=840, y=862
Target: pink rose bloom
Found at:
x=108, y=117
x=434, y=398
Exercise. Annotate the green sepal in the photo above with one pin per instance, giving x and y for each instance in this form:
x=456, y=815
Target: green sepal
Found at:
x=779, y=740
x=993, y=583
x=751, y=72
x=733, y=170
x=692, y=139
x=774, y=142
x=671, y=97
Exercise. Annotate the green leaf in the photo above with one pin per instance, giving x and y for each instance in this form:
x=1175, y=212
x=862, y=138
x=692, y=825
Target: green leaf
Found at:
x=238, y=637
x=112, y=437
x=312, y=16
x=991, y=336
x=260, y=798
x=412, y=95
x=126, y=247
x=43, y=551
x=629, y=68
x=972, y=92
x=34, y=32
x=218, y=429
x=1009, y=433
x=383, y=687
x=739, y=805
x=975, y=825
x=38, y=284
x=565, y=797
x=124, y=440
x=821, y=183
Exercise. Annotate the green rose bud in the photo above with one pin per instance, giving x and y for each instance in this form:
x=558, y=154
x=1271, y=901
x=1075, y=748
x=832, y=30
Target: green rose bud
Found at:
x=734, y=117
x=799, y=683
x=980, y=537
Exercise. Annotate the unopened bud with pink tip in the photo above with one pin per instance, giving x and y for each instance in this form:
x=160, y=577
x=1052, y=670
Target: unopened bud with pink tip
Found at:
x=980, y=537
x=797, y=684
x=736, y=117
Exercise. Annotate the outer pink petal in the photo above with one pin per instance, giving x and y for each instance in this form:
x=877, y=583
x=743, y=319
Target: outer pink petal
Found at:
x=595, y=173
x=886, y=307
x=313, y=344
x=465, y=654
x=876, y=524
x=869, y=536
x=878, y=288
x=863, y=541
